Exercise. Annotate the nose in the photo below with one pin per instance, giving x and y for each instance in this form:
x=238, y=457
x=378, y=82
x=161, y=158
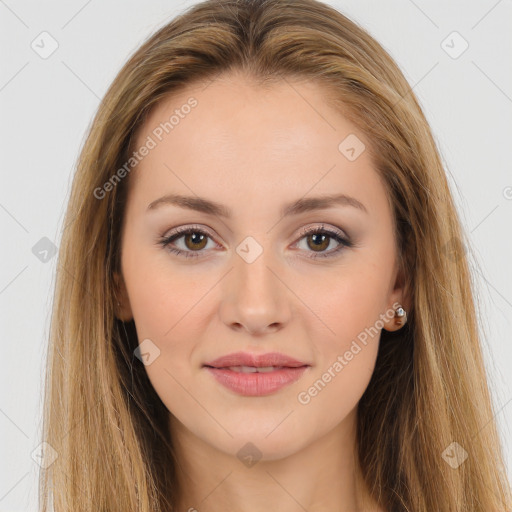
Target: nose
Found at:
x=255, y=296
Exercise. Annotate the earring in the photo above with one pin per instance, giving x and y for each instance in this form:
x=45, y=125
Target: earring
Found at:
x=400, y=316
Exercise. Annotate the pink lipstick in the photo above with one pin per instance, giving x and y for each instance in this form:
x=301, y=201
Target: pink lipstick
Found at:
x=256, y=374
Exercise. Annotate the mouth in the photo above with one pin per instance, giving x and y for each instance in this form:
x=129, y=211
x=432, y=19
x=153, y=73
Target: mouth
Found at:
x=250, y=374
x=256, y=381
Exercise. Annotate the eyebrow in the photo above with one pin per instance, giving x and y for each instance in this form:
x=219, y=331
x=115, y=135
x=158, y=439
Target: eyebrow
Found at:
x=301, y=205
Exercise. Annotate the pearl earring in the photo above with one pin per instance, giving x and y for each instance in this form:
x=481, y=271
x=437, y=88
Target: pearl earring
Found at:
x=400, y=316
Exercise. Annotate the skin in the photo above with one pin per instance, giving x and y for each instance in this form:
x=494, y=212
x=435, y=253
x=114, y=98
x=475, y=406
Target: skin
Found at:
x=253, y=150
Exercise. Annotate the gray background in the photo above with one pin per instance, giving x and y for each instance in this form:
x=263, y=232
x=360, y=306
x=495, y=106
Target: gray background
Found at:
x=47, y=104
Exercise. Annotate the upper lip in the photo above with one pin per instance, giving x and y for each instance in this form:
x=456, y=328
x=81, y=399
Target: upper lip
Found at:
x=255, y=360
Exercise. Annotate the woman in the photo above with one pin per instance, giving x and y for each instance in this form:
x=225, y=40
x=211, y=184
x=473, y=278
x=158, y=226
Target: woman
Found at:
x=263, y=298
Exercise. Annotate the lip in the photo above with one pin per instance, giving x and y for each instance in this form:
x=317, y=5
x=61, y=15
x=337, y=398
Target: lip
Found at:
x=287, y=371
x=255, y=360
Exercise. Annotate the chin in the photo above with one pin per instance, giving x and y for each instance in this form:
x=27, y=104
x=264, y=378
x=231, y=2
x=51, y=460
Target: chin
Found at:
x=260, y=439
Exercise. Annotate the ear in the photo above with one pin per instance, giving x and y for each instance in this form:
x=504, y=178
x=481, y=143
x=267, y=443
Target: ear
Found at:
x=399, y=297
x=123, y=310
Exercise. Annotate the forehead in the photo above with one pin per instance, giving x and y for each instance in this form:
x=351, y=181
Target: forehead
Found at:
x=232, y=135
x=235, y=108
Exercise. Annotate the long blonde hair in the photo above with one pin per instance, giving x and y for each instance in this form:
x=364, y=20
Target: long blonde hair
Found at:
x=103, y=420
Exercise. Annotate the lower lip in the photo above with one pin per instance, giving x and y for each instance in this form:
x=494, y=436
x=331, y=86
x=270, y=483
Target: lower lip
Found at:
x=257, y=384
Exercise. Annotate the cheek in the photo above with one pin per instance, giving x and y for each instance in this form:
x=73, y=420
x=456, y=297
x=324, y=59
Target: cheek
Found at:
x=161, y=295
x=346, y=352
x=162, y=306
x=347, y=302
x=348, y=305
x=168, y=303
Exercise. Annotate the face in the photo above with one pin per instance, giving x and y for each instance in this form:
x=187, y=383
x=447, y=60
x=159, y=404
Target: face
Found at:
x=257, y=272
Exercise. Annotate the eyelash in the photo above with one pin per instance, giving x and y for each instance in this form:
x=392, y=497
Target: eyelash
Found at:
x=180, y=232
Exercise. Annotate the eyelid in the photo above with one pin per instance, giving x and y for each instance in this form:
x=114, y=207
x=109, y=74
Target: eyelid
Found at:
x=332, y=230
x=186, y=228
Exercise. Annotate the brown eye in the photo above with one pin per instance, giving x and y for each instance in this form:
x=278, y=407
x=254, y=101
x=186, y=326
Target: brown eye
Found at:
x=319, y=241
x=195, y=240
